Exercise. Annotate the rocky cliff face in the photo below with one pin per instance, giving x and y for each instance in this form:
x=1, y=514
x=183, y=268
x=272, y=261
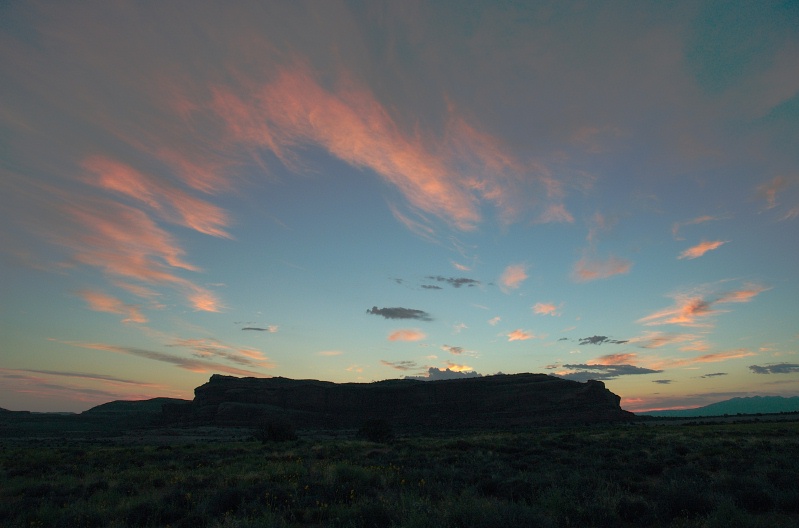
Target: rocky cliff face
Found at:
x=490, y=402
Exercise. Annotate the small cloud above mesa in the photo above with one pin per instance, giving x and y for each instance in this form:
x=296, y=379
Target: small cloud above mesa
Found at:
x=400, y=365
x=519, y=335
x=713, y=375
x=406, y=334
x=434, y=374
x=776, y=368
x=271, y=329
x=584, y=372
x=598, y=340
x=455, y=282
x=513, y=277
x=400, y=313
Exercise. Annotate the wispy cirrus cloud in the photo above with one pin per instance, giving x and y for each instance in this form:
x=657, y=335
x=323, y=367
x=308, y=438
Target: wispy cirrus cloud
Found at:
x=705, y=358
x=168, y=201
x=102, y=302
x=213, y=348
x=400, y=365
x=701, y=248
x=190, y=364
x=121, y=241
x=89, y=376
x=771, y=189
x=616, y=359
x=513, y=277
x=407, y=334
x=653, y=339
x=596, y=371
x=695, y=308
x=444, y=176
x=590, y=268
x=677, y=226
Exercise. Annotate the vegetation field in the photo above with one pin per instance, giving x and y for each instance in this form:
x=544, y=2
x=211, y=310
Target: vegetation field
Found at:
x=719, y=475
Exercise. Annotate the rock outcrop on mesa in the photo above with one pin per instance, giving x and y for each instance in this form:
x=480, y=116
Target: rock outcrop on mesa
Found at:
x=498, y=401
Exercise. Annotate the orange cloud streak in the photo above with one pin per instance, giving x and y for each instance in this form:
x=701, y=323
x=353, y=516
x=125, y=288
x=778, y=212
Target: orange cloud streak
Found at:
x=169, y=202
x=707, y=358
x=616, y=359
x=691, y=309
x=700, y=249
x=407, y=334
x=102, y=302
x=124, y=242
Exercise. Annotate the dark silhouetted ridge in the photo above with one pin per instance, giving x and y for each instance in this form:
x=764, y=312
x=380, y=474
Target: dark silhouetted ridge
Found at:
x=485, y=402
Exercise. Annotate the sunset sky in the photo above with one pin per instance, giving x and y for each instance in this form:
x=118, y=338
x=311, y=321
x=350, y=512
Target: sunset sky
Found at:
x=357, y=191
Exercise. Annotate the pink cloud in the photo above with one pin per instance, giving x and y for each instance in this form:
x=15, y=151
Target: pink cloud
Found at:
x=513, y=276
x=102, y=302
x=545, y=309
x=555, y=213
x=445, y=174
x=168, y=201
x=692, y=309
x=707, y=358
x=199, y=365
x=407, y=334
x=125, y=243
x=519, y=335
x=700, y=249
x=675, y=228
x=743, y=295
x=588, y=269
x=349, y=122
x=661, y=339
x=616, y=359
x=688, y=311
x=459, y=368
x=770, y=189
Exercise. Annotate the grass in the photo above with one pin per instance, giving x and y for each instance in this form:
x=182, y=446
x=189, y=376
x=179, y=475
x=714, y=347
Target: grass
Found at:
x=682, y=476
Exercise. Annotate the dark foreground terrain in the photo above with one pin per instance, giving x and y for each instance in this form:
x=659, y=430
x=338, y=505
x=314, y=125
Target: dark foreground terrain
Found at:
x=726, y=475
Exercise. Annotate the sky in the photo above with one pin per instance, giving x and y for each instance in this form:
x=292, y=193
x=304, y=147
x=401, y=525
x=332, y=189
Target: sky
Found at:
x=359, y=191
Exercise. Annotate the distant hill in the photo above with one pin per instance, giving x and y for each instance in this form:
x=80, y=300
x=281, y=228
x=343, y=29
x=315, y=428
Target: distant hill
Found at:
x=154, y=406
x=750, y=405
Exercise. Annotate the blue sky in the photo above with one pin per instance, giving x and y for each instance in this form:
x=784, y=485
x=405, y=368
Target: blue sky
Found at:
x=356, y=191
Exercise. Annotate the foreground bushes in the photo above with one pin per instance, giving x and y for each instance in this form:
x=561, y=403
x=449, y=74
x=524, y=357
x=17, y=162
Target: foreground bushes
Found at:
x=704, y=476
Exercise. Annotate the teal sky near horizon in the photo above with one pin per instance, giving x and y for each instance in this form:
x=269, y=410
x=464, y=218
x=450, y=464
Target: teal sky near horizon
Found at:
x=358, y=191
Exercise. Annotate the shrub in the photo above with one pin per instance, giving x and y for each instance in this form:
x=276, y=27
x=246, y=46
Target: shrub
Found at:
x=275, y=431
x=376, y=430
